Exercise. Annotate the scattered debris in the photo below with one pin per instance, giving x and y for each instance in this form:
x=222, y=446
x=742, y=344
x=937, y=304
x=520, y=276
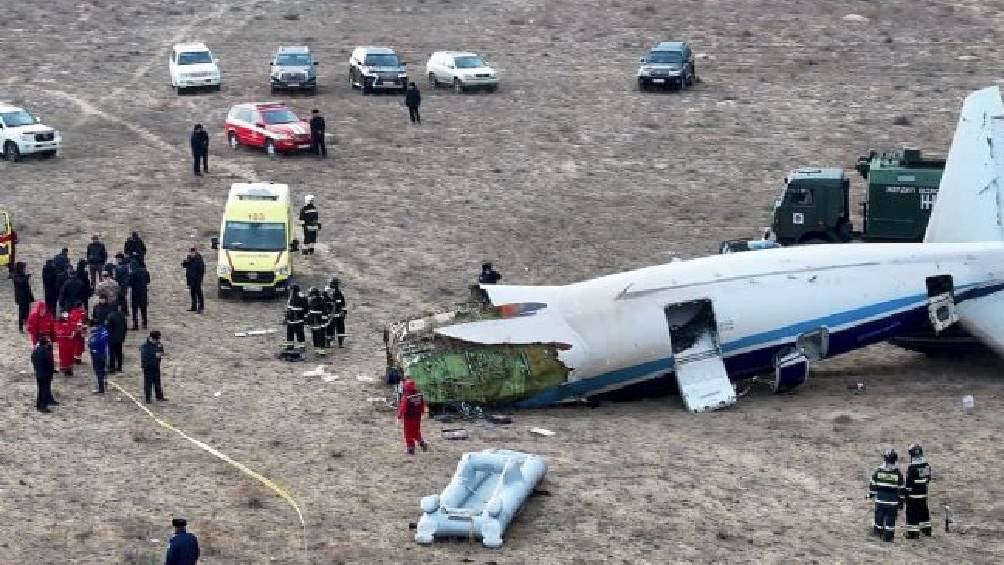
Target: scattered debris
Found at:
x=320, y=372
x=498, y=419
x=217, y=393
x=967, y=58
x=856, y=387
x=901, y=121
x=365, y=378
x=329, y=378
x=154, y=540
x=251, y=333
x=454, y=433
x=541, y=432
x=857, y=18
x=968, y=402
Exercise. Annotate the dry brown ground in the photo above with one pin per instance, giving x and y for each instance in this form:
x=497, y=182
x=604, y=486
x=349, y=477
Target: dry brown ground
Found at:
x=567, y=173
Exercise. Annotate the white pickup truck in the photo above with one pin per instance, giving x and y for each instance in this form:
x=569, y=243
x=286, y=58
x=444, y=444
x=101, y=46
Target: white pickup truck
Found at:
x=22, y=133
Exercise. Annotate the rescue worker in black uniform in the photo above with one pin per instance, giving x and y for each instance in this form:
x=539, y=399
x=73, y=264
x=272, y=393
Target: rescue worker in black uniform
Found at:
x=45, y=368
x=139, y=281
x=887, y=490
x=296, y=312
x=317, y=317
x=311, y=224
x=151, y=353
x=200, y=149
x=918, y=474
x=338, y=310
x=317, y=134
x=488, y=274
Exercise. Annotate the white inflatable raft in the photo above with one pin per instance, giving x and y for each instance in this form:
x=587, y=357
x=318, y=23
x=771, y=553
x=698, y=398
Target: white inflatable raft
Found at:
x=485, y=493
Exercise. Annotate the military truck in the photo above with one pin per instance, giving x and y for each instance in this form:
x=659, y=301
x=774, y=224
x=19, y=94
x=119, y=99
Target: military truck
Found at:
x=814, y=205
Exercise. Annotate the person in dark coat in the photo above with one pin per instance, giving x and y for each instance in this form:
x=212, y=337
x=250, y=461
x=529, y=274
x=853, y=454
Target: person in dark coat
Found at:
x=97, y=343
x=101, y=310
x=337, y=311
x=183, y=548
x=45, y=368
x=73, y=291
x=413, y=99
x=200, y=149
x=195, y=270
x=121, y=274
x=139, y=280
x=310, y=220
x=50, y=286
x=150, y=355
x=97, y=256
x=317, y=134
x=23, y=296
x=488, y=274
x=117, y=329
x=135, y=248
x=62, y=260
x=87, y=290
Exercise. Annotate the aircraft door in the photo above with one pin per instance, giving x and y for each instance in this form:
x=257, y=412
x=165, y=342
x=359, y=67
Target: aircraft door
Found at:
x=700, y=370
x=941, y=302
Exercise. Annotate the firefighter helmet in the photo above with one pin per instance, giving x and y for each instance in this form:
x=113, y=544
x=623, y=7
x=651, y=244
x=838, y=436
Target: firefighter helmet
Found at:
x=890, y=456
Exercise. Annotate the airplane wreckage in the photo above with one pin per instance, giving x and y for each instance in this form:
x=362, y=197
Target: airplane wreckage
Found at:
x=712, y=321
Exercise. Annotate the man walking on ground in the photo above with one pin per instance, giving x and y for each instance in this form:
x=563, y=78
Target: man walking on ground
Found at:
x=116, y=325
x=97, y=342
x=139, y=280
x=135, y=248
x=183, y=548
x=150, y=355
x=317, y=134
x=97, y=256
x=45, y=368
x=23, y=296
x=195, y=270
x=413, y=99
x=200, y=149
x=121, y=273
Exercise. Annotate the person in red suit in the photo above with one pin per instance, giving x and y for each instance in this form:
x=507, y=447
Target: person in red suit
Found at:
x=40, y=322
x=410, y=411
x=78, y=316
x=66, y=338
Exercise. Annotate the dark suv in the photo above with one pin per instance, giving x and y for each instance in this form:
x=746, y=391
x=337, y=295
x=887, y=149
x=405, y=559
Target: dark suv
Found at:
x=670, y=64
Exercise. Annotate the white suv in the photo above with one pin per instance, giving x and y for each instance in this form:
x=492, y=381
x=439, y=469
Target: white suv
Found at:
x=192, y=65
x=460, y=70
x=22, y=133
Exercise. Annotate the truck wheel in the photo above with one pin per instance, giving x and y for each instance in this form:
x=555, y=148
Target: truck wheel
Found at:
x=232, y=140
x=222, y=294
x=366, y=88
x=180, y=91
x=815, y=241
x=458, y=86
x=11, y=152
x=270, y=148
x=433, y=81
x=352, y=80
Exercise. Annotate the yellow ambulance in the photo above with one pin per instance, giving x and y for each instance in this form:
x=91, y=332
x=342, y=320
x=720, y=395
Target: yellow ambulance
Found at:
x=7, y=240
x=256, y=242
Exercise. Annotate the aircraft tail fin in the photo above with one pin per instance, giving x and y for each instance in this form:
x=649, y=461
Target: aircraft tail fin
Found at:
x=970, y=205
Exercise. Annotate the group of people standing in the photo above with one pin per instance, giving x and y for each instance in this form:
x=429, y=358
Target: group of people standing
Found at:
x=62, y=318
x=324, y=310
x=892, y=493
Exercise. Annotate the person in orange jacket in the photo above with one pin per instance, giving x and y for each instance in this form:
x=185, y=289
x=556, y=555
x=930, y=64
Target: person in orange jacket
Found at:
x=78, y=316
x=66, y=332
x=410, y=411
x=40, y=322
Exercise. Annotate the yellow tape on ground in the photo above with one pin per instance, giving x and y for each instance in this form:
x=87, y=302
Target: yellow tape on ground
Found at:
x=283, y=493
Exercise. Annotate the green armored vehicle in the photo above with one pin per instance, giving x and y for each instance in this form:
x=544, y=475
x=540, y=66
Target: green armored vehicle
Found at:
x=814, y=206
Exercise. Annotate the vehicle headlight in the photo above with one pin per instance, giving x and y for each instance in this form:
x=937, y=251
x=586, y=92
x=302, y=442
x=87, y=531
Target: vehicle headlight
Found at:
x=282, y=271
x=57, y=134
x=222, y=270
x=643, y=72
x=281, y=136
x=402, y=75
x=27, y=137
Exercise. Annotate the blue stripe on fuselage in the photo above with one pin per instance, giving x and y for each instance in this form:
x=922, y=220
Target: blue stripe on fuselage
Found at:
x=760, y=360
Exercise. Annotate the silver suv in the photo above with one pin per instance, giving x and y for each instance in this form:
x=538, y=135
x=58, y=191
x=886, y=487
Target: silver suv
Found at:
x=377, y=68
x=293, y=68
x=670, y=64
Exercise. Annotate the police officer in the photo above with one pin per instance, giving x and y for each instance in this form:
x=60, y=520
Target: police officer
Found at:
x=139, y=281
x=200, y=149
x=310, y=223
x=45, y=368
x=918, y=517
x=150, y=354
x=121, y=274
x=338, y=310
x=195, y=270
x=887, y=490
x=488, y=274
x=317, y=317
x=296, y=311
x=317, y=133
x=183, y=549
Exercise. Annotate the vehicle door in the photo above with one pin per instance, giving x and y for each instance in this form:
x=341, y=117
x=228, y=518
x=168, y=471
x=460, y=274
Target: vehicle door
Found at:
x=256, y=128
x=5, y=230
x=243, y=126
x=3, y=134
x=172, y=65
x=354, y=66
